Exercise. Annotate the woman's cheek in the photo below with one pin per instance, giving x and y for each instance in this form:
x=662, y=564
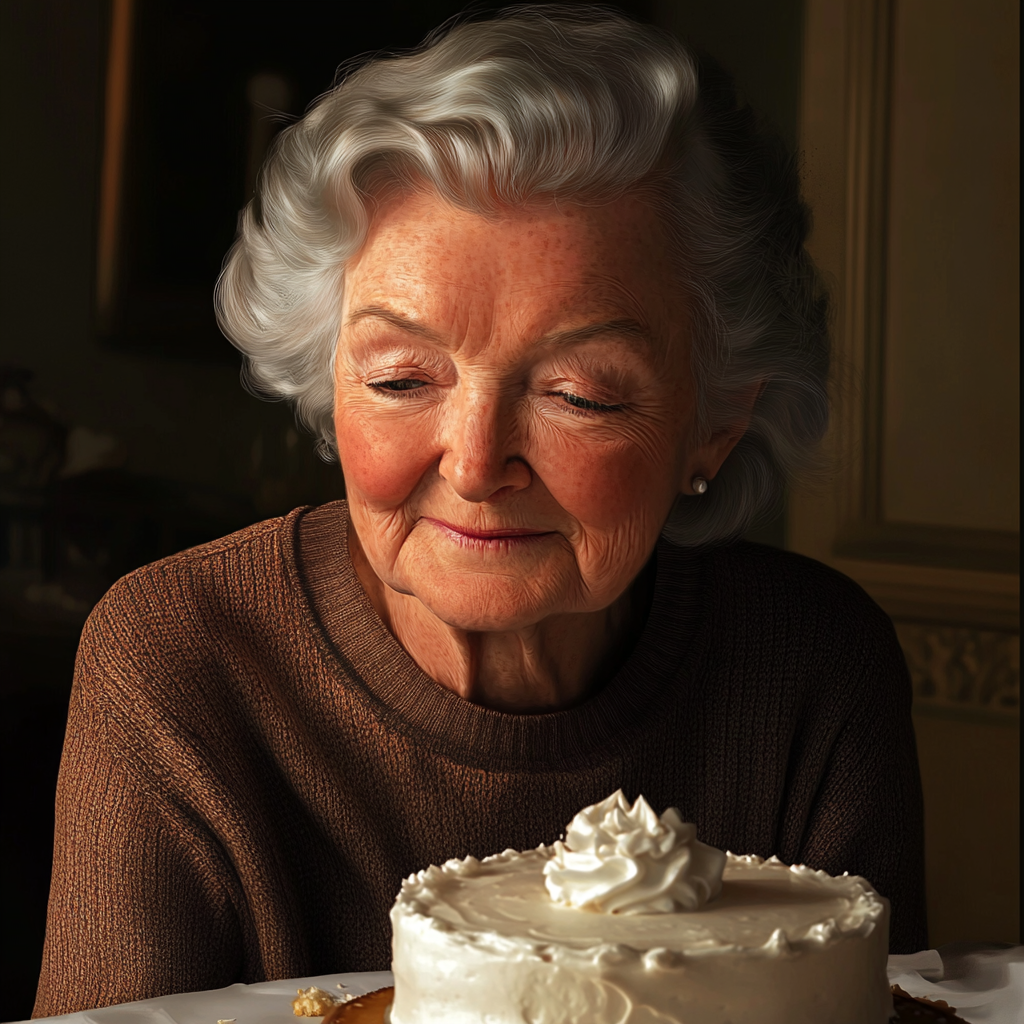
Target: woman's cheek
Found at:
x=383, y=458
x=602, y=488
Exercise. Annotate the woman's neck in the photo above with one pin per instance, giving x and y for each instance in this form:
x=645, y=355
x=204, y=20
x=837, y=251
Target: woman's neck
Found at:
x=548, y=666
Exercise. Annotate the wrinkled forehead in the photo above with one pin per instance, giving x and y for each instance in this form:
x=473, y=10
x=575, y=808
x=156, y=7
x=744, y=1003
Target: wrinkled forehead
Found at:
x=545, y=265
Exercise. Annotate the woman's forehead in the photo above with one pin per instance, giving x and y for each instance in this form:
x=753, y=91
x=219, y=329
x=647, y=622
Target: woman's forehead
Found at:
x=422, y=217
x=561, y=263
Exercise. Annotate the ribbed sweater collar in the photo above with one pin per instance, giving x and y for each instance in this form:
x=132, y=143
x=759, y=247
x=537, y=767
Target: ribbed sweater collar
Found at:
x=315, y=548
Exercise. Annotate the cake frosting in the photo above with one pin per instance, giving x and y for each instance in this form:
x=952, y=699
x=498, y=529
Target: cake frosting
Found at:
x=631, y=920
x=619, y=859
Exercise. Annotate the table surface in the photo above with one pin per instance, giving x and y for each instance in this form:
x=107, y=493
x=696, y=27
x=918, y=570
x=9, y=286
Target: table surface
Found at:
x=985, y=982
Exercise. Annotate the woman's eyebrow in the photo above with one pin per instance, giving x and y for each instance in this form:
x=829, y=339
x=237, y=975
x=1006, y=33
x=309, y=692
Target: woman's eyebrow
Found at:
x=625, y=326
x=404, y=323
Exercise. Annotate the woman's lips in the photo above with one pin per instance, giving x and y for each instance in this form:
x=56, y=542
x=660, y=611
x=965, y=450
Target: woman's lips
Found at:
x=474, y=534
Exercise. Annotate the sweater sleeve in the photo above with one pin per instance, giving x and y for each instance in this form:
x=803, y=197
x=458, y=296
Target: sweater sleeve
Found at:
x=867, y=814
x=139, y=899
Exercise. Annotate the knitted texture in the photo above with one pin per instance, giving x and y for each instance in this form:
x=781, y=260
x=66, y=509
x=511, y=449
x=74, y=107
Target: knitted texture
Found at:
x=253, y=763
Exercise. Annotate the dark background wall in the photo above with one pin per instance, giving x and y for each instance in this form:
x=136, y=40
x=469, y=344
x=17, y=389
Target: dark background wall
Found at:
x=179, y=452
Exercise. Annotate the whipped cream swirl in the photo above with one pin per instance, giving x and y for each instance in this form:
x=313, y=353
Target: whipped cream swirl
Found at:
x=619, y=859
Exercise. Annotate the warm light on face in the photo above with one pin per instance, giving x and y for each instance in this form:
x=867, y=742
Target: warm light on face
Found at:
x=513, y=405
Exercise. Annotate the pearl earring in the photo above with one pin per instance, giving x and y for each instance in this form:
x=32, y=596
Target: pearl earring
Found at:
x=699, y=485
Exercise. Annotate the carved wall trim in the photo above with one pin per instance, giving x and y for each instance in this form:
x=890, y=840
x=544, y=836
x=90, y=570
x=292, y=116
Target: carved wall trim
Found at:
x=963, y=670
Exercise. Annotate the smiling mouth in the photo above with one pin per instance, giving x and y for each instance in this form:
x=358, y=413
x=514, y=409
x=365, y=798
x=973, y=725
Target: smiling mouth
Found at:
x=466, y=533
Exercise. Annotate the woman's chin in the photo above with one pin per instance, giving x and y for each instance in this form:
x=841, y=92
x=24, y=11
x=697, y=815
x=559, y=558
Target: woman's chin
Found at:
x=488, y=603
x=484, y=617
x=488, y=591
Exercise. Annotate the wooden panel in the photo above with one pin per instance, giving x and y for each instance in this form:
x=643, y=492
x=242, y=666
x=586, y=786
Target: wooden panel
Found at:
x=927, y=414
x=971, y=775
x=925, y=437
x=950, y=442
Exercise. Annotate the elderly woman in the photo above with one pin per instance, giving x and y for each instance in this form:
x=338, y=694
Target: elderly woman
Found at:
x=540, y=287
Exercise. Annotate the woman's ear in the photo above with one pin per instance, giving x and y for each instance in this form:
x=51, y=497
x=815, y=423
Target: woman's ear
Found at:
x=706, y=458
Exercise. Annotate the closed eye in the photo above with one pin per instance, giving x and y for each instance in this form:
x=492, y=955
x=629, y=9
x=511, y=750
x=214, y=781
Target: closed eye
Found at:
x=585, y=403
x=398, y=386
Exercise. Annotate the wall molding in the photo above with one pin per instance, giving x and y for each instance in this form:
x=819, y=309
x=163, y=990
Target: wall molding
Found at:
x=967, y=672
x=860, y=341
x=938, y=595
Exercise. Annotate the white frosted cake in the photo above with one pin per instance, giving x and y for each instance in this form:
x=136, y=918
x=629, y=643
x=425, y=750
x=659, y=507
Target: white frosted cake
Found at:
x=632, y=921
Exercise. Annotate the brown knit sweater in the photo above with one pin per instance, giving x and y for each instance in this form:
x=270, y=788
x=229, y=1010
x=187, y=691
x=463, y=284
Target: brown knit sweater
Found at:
x=253, y=763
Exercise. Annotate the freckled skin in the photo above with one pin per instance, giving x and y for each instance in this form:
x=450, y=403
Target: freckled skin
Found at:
x=464, y=408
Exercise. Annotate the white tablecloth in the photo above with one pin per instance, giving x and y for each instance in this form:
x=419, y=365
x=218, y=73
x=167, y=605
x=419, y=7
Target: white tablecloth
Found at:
x=985, y=983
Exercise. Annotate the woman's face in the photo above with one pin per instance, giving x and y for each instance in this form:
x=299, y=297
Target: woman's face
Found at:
x=514, y=405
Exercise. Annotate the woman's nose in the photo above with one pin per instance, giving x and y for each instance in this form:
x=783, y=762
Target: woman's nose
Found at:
x=483, y=458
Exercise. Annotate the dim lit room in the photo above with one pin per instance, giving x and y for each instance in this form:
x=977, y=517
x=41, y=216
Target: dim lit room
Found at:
x=250, y=784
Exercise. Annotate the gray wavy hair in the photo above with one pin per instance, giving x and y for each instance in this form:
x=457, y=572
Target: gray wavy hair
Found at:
x=555, y=104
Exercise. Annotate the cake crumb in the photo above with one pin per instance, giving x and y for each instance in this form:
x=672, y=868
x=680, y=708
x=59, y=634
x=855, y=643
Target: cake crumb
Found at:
x=315, y=1002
